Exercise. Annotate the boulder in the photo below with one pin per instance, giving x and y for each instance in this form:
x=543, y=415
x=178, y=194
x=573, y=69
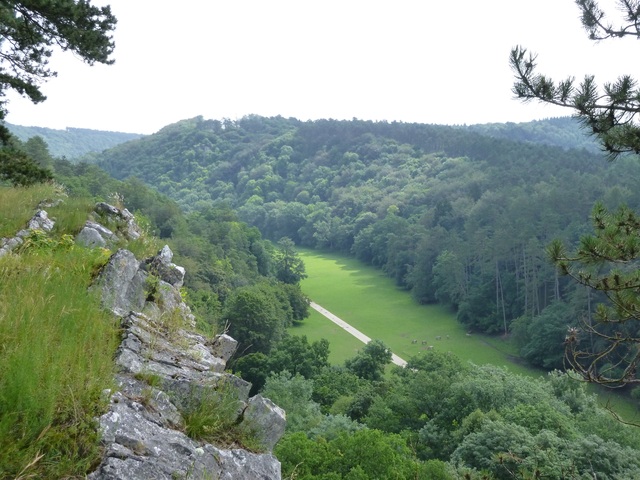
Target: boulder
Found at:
x=128, y=227
x=163, y=268
x=266, y=420
x=95, y=235
x=90, y=237
x=122, y=284
x=40, y=221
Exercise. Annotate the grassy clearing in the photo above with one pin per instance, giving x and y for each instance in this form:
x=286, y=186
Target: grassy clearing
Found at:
x=56, y=348
x=342, y=344
x=364, y=297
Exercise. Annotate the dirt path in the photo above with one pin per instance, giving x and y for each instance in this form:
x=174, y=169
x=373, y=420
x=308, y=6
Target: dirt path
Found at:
x=353, y=331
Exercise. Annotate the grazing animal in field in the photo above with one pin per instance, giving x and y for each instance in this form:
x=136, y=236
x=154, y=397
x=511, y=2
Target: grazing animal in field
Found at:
x=414, y=341
x=430, y=347
x=424, y=342
x=439, y=337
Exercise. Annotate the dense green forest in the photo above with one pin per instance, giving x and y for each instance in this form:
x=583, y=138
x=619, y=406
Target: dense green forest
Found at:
x=455, y=215
x=438, y=419
x=564, y=132
x=72, y=142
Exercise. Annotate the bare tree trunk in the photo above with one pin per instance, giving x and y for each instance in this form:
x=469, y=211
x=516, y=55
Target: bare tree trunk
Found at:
x=500, y=298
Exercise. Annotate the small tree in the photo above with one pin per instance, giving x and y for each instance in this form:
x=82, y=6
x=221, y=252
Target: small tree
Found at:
x=254, y=320
x=20, y=169
x=370, y=362
x=289, y=267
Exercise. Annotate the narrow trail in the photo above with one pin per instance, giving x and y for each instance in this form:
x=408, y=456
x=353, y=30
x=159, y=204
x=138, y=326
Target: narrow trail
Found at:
x=353, y=331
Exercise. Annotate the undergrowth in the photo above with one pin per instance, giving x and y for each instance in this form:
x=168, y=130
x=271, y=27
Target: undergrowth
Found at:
x=212, y=417
x=56, y=346
x=17, y=206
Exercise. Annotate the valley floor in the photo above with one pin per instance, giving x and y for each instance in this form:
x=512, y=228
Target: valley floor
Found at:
x=353, y=331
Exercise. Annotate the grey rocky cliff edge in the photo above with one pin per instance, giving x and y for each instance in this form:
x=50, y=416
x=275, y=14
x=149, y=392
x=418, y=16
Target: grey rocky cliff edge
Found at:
x=165, y=369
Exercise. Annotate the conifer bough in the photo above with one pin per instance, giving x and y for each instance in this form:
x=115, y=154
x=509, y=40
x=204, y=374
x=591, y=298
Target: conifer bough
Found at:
x=606, y=350
x=30, y=31
x=609, y=112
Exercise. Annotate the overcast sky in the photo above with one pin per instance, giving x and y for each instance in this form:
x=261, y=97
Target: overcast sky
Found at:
x=428, y=61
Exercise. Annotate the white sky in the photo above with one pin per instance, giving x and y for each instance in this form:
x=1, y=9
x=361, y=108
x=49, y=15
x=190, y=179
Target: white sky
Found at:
x=428, y=61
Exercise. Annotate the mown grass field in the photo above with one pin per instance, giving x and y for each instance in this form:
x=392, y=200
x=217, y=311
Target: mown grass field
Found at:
x=365, y=298
x=362, y=296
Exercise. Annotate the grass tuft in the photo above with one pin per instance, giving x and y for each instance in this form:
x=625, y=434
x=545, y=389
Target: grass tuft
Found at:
x=212, y=416
x=17, y=206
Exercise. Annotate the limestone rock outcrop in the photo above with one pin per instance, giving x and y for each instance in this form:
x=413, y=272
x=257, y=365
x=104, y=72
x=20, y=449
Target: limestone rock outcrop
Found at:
x=165, y=369
x=96, y=234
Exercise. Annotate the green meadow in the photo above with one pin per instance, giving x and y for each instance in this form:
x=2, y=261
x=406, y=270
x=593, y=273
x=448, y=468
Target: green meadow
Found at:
x=362, y=296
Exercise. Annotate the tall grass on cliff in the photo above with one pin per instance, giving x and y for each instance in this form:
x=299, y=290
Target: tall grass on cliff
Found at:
x=17, y=206
x=56, y=352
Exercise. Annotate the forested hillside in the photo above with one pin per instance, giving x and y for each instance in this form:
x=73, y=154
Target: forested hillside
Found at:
x=453, y=215
x=564, y=132
x=72, y=142
x=439, y=419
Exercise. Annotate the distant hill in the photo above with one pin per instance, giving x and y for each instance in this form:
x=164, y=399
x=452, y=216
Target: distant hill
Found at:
x=565, y=132
x=73, y=142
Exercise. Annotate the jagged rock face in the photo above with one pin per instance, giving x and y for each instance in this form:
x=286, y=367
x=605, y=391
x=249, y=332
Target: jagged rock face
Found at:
x=122, y=283
x=93, y=234
x=161, y=266
x=142, y=431
x=131, y=229
x=145, y=348
x=267, y=419
x=141, y=444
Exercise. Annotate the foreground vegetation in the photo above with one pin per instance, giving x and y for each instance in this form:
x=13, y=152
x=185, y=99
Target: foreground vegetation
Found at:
x=57, y=349
x=444, y=419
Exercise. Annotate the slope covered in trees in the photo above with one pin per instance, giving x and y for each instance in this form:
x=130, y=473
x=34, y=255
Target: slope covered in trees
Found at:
x=72, y=142
x=453, y=215
x=564, y=132
x=439, y=419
